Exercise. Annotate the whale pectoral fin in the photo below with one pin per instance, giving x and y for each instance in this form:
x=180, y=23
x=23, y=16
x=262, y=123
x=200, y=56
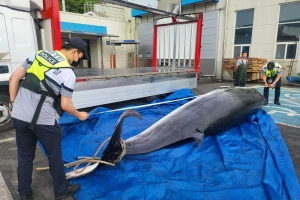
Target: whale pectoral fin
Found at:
x=198, y=137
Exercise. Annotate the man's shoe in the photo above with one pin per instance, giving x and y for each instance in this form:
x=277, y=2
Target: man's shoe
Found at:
x=277, y=102
x=28, y=197
x=70, y=189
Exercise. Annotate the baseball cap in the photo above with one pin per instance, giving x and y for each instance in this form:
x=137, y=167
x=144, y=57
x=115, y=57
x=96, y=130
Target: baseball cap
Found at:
x=271, y=64
x=80, y=44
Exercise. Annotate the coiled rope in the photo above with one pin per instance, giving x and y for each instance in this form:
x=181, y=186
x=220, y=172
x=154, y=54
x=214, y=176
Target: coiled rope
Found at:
x=90, y=160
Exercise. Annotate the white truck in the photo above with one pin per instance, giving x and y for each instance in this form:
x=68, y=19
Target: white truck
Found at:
x=27, y=26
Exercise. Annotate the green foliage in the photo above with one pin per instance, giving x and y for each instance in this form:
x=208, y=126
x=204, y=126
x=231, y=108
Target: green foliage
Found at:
x=75, y=6
x=298, y=74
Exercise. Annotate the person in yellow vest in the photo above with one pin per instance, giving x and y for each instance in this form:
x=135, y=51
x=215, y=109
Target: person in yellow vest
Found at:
x=241, y=73
x=271, y=76
x=36, y=106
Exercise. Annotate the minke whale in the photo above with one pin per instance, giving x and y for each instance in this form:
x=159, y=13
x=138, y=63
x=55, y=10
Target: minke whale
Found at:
x=207, y=114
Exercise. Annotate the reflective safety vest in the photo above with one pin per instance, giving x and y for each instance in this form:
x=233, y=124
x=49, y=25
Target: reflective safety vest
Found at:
x=35, y=75
x=272, y=73
x=43, y=62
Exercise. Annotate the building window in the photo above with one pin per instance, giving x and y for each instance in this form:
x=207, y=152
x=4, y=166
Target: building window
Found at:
x=239, y=49
x=288, y=31
x=243, y=32
x=286, y=50
x=243, y=27
x=108, y=43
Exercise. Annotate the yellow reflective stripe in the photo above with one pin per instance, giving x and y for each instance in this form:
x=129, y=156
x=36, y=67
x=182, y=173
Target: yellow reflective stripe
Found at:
x=270, y=73
x=37, y=70
x=63, y=63
x=40, y=65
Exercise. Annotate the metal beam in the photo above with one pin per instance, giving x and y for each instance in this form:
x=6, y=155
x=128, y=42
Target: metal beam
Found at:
x=63, y=5
x=146, y=9
x=139, y=7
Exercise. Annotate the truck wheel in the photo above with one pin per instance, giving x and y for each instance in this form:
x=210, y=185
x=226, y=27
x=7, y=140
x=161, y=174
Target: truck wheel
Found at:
x=6, y=122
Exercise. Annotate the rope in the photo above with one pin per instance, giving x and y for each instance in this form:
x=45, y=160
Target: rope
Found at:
x=146, y=105
x=90, y=160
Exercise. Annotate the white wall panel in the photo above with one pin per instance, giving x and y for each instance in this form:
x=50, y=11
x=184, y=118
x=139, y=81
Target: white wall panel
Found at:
x=209, y=43
x=185, y=41
x=145, y=36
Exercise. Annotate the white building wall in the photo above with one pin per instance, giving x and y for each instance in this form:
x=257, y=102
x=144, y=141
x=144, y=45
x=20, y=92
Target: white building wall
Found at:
x=264, y=32
x=124, y=29
x=265, y=25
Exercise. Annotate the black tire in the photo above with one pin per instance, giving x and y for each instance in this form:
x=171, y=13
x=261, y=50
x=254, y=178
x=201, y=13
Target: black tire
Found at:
x=6, y=122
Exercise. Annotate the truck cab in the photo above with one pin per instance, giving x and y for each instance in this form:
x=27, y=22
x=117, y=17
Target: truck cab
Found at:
x=17, y=40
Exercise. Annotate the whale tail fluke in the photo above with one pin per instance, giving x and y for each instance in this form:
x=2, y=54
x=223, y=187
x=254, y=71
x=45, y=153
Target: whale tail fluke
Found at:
x=114, y=148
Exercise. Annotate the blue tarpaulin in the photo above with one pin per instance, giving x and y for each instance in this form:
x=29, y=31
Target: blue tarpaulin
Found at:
x=249, y=161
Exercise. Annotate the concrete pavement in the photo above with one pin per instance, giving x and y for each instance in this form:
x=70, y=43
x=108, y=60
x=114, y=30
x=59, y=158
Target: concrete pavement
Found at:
x=42, y=186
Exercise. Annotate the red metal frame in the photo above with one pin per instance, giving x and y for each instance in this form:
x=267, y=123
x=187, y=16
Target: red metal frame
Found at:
x=198, y=42
x=51, y=11
x=154, y=53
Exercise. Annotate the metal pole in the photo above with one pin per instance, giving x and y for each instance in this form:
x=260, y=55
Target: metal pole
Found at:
x=190, y=51
x=63, y=5
x=164, y=47
x=155, y=49
x=198, y=44
x=101, y=51
x=169, y=64
x=224, y=37
x=43, y=39
x=114, y=47
x=115, y=60
x=111, y=57
x=179, y=47
x=159, y=48
x=174, y=51
x=184, y=42
x=137, y=58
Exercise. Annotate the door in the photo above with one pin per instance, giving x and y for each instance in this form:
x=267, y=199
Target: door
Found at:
x=130, y=59
x=5, y=65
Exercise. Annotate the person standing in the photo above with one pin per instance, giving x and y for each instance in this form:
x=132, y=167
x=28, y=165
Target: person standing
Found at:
x=241, y=70
x=271, y=75
x=48, y=75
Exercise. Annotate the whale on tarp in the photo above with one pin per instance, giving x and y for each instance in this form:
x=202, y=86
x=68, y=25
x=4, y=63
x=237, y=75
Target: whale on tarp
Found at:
x=207, y=114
